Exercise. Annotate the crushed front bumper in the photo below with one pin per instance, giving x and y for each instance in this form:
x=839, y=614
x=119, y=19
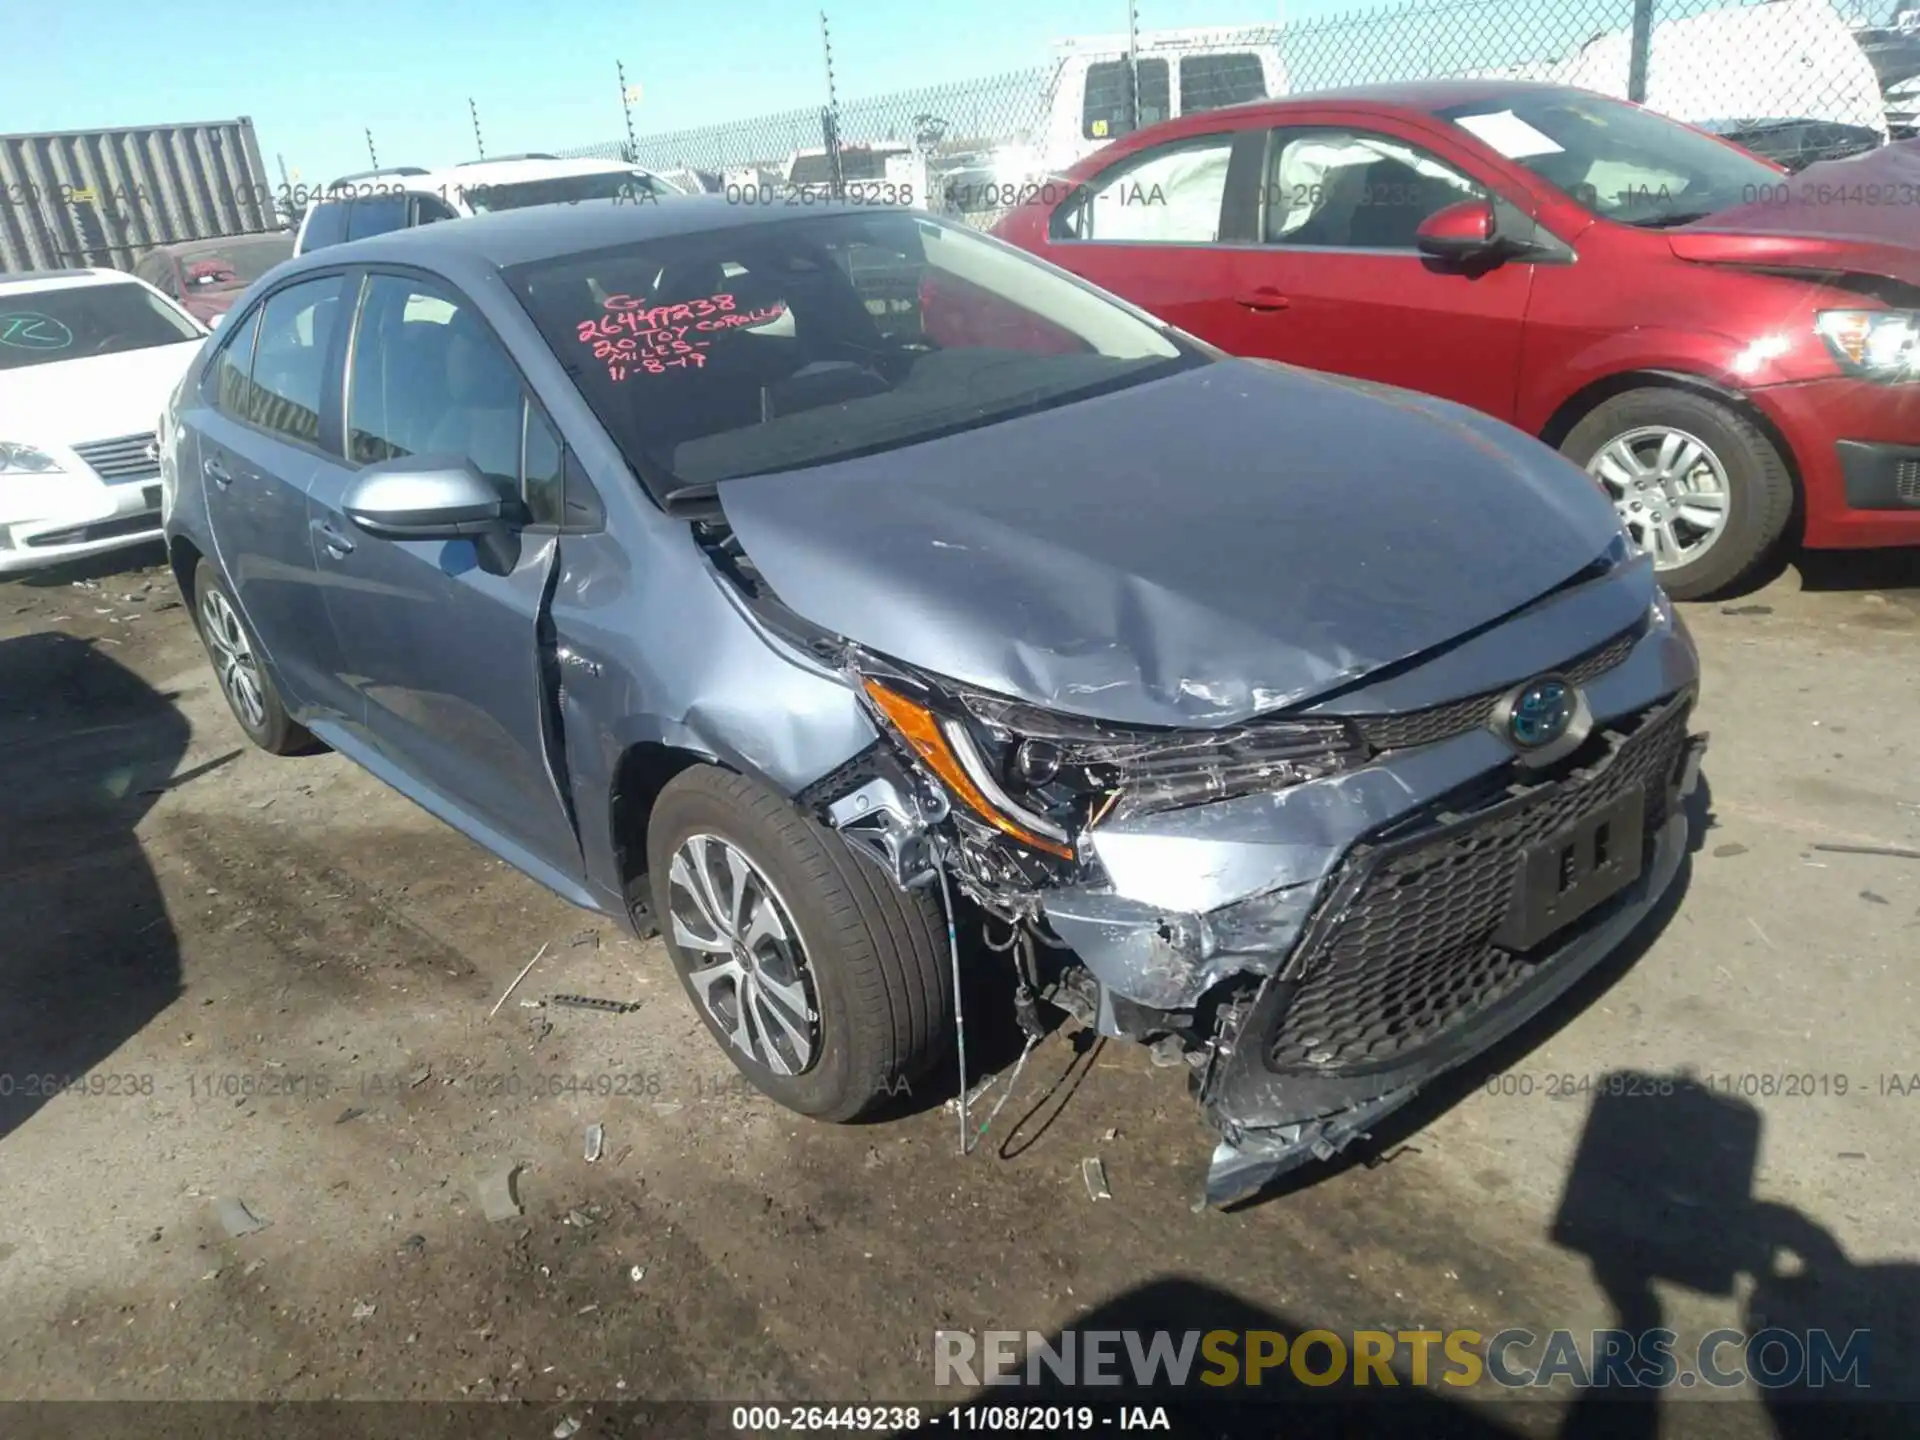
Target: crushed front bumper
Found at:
x=1401, y=974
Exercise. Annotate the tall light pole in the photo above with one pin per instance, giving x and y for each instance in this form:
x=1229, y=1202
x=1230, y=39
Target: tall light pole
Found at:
x=628, y=95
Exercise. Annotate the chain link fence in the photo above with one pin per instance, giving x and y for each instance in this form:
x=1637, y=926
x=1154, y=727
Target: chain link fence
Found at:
x=1796, y=80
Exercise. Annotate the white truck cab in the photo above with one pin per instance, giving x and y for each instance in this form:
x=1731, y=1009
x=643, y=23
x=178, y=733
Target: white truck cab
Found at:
x=1181, y=72
x=1091, y=102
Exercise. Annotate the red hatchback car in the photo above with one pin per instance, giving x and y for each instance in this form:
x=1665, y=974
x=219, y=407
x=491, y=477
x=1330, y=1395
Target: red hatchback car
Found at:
x=1732, y=356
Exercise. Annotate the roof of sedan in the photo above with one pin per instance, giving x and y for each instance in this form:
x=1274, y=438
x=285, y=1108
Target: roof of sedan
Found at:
x=61, y=279
x=1426, y=95
x=513, y=237
x=218, y=244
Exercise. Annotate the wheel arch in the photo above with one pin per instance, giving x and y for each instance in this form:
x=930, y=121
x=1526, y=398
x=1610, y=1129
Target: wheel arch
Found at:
x=640, y=773
x=183, y=558
x=1584, y=401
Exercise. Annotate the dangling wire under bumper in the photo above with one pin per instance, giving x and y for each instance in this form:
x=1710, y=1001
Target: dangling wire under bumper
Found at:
x=1026, y=1009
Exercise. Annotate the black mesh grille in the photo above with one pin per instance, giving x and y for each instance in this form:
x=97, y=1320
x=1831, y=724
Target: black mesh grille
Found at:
x=1456, y=717
x=1409, y=952
x=1906, y=481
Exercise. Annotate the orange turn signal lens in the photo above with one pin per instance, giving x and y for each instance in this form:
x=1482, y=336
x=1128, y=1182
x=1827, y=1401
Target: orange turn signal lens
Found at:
x=920, y=729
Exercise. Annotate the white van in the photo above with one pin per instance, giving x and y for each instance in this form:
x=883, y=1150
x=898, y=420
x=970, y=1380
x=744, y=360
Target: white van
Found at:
x=1090, y=103
x=376, y=201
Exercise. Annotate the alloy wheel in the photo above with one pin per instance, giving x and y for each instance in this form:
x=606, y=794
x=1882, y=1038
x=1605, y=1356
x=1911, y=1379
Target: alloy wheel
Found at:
x=745, y=960
x=1669, y=489
x=233, y=659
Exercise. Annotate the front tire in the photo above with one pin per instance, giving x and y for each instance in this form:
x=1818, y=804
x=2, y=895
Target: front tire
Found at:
x=824, y=983
x=1699, y=486
x=249, y=690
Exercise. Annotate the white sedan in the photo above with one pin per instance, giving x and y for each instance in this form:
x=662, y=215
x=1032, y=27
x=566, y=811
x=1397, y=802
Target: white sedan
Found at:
x=88, y=359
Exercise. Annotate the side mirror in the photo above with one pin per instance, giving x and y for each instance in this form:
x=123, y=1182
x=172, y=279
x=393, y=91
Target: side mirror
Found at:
x=426, y=497
x=1460, y=232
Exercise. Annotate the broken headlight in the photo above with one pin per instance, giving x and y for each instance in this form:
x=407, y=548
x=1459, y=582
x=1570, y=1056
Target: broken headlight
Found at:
x=1879, y=344
x=1040, y=777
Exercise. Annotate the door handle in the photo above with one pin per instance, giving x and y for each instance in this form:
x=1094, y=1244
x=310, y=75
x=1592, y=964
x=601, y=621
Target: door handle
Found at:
x=1262, y=297
x=215, y=471
x=338, y=545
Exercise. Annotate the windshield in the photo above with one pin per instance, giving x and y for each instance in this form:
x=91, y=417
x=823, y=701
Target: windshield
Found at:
x=1617, y=160
x=783, y=344
x=628, y=186
x=75, y=322
x=236, y=265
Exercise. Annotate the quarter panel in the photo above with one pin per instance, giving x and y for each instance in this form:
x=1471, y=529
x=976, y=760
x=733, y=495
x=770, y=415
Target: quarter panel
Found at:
x=654, y=649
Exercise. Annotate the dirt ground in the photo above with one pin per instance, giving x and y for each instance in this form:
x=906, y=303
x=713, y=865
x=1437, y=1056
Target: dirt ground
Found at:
x=275, y=982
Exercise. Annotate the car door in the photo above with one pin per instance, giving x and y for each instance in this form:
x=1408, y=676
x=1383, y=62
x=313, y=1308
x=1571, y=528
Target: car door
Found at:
x=259, y=439
x=1336, y=283
x=1154, y=228
x=440, y=638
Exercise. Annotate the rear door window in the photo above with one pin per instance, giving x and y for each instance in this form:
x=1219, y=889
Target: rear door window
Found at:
x=1108, y=112
x=326, y=224
x=430, y=208
x=290, y=359
x=376, y=215
x=1166, y=195
x=1208, y=82
x=228, y=386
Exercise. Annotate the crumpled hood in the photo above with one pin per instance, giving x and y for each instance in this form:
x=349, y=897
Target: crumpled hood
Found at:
x=1192, y=551
x=1852, y=214
x=1816, y=254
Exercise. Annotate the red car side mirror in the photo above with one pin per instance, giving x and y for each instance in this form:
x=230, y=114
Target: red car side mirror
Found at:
x=1463, y=231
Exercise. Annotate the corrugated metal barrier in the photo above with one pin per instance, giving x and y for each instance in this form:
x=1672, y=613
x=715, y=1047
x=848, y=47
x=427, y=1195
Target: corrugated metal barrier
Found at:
x=101, y=197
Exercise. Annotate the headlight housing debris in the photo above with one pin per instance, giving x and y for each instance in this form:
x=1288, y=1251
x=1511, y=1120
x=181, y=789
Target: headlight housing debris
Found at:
x=1040, y=778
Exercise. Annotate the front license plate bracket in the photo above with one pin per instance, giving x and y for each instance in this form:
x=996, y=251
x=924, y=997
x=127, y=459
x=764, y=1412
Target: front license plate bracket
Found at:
x=1569, y=873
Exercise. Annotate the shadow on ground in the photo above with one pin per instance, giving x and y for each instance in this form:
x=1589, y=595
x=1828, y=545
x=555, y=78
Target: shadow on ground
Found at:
x=1661, y=1192
x=1859, y=569
x=87, y=954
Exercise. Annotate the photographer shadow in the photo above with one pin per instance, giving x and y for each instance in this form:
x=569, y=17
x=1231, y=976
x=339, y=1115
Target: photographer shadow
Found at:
x=87, y=954
x=1276, y=1402
x=1661, y=1191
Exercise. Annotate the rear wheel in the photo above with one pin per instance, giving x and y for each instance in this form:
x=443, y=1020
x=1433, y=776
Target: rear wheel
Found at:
x=822, y=981
x=1699, y=486
x=250, y=691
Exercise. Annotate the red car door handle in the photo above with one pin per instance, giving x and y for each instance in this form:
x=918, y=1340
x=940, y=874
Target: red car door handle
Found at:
x=1262, y=297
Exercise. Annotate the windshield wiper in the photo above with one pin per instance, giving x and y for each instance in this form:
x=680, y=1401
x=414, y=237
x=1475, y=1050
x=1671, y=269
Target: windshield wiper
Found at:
x=693, y=499
x=1664, y=222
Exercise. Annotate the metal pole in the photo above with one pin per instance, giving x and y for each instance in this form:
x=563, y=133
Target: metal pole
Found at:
x=1133, y=66
x=633, y=146
x=370, y=155
x=832, y=125
x=478, y=143
x=1642, y=43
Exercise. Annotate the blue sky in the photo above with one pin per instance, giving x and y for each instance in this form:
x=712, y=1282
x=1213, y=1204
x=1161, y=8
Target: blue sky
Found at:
x=314, y=75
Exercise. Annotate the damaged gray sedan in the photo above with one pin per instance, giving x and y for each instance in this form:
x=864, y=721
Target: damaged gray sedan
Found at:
x=815, y=588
